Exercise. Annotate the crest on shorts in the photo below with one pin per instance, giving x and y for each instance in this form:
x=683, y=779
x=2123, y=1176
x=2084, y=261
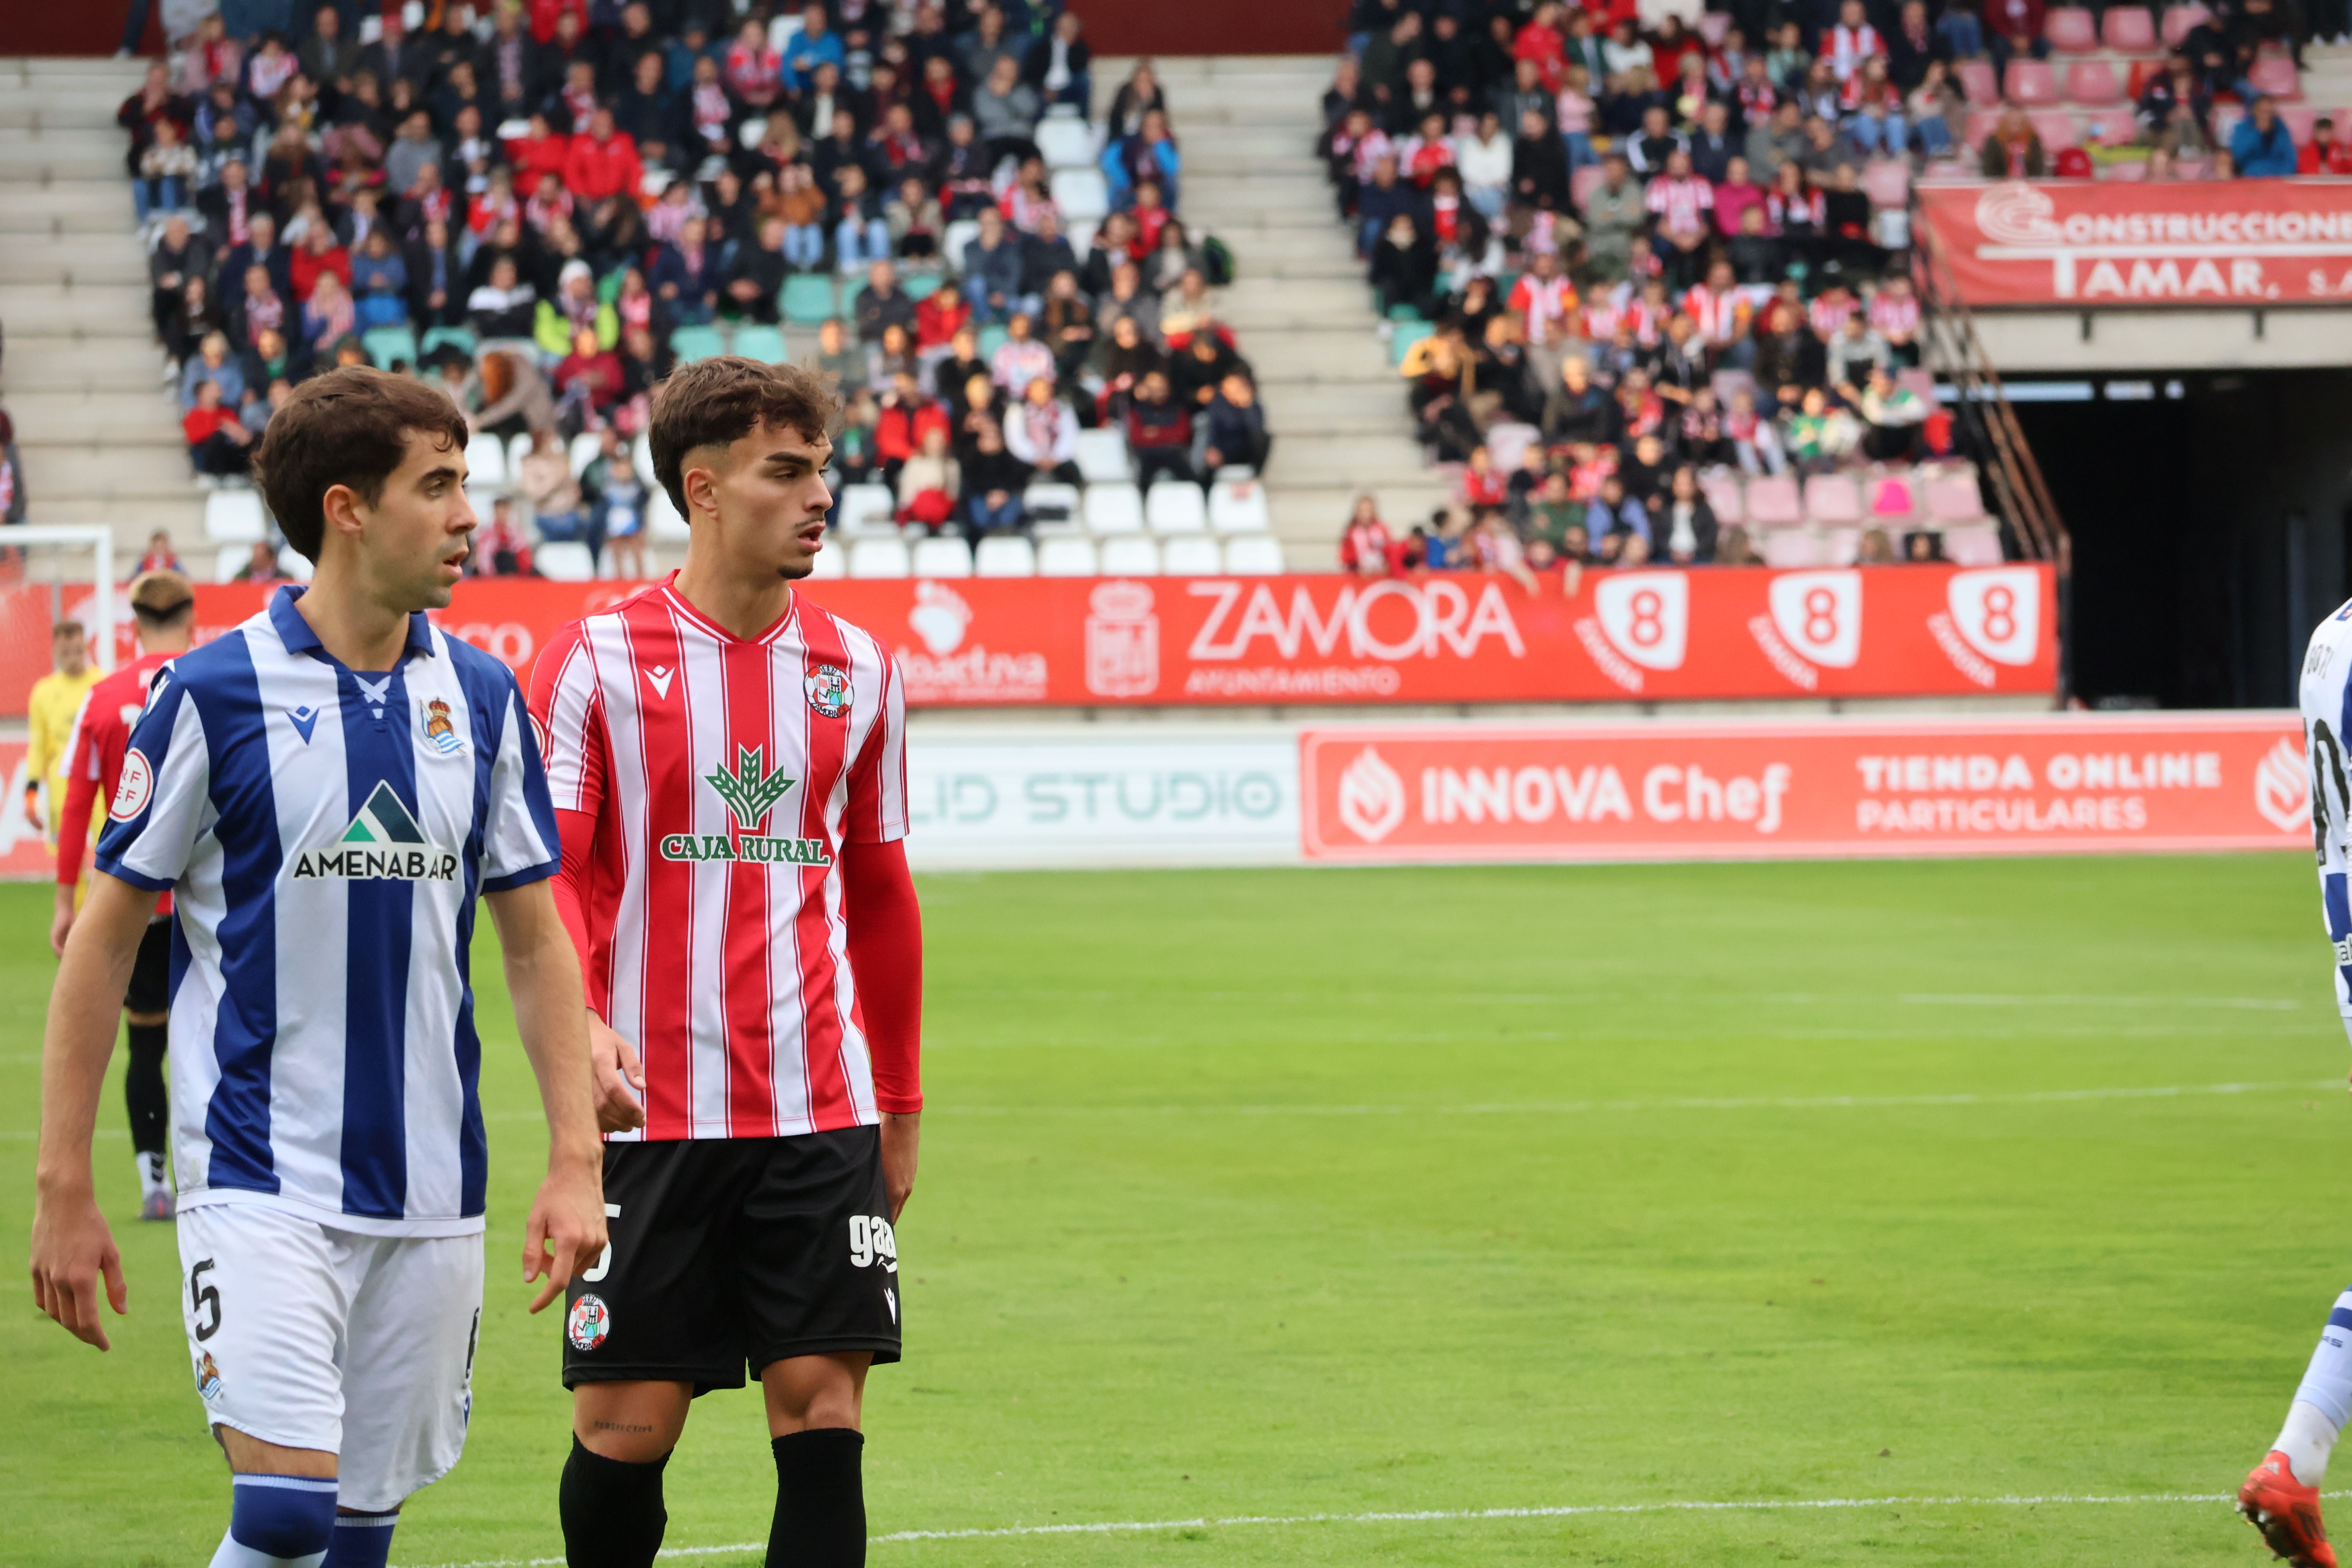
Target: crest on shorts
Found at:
x=828, y=691
x=208, y=1377
x=440, y=733
x=588, y=1324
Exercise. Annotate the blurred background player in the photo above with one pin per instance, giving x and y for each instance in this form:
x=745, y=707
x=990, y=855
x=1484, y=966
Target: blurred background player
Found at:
x=55, y=701
x=2280, y=1497
x=163, y=615
x=755, y=930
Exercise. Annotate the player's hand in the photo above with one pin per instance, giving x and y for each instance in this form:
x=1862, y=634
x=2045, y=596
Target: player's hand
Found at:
x=62, y=922
x=618, y=1076
x=566, y=1229
x=72, y=1250
x=902, y=1139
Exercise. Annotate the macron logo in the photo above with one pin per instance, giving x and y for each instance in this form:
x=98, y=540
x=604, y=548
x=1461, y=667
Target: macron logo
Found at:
x=659, y=676
x=305, y=720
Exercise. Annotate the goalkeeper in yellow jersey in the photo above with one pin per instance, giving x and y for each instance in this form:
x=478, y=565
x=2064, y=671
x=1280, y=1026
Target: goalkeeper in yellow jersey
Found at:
x=56, y=698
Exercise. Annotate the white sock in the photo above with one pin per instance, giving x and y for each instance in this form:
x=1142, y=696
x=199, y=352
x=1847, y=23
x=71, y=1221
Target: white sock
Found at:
x=2306, y=1440
x=151, y=1175
x=2323, y=1402
x=232, y=1554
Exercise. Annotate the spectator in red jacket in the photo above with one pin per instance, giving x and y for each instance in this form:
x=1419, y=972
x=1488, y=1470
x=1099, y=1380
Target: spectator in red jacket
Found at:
x=1365, y=547
x=541, y=151
x=907, y=417
x=2013, y=28
x=1158, y=432
x=603, y=163
x=319, y=252
x=544, y=14
x=2323, y=153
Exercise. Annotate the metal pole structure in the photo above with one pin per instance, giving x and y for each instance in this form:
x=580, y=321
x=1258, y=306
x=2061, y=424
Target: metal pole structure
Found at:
x=100, y=541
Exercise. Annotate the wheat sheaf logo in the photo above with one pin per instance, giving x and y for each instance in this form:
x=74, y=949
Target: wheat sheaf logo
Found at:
x=751, y=792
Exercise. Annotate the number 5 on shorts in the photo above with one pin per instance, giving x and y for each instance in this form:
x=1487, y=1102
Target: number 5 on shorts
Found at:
x=202, y=1297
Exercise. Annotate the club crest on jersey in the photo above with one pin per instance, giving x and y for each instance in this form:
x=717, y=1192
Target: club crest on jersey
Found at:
x=137, y=785
x=589, y=1323
x=751, y=794
x=440, y=733
x=382, y=843
x=828, y=691
x=208, y=1377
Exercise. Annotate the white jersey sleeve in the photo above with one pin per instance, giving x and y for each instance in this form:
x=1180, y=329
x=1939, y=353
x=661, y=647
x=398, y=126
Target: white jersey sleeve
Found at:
x=2326, y=697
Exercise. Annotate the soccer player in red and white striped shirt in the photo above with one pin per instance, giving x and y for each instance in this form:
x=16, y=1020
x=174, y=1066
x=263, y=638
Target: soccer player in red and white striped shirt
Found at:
x=727, y=765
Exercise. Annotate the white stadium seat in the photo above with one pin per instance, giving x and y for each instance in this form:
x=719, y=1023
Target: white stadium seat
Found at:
x=564, y=561
x=1255, y=555
x=1175, y=507
x=485, y=462
x=946, y=556
x=232, y=557
x=518, y=448
x=833, y=561
x=1130, y=555
x=1192, y=556
x=1004, y=555
x=1052, y=509
x=865, y=512
x=235, y=516
x=1101, y=457
x=662, y=520
x=1081, y=194
x=1063, y=556
x=880, y=558
x=1238, y=505
x=584, y=447
x=1066, y=142
x=1113, y=509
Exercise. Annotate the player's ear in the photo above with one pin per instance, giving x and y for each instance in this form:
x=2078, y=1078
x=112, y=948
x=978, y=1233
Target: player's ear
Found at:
x=700, y=482
x=340, y=508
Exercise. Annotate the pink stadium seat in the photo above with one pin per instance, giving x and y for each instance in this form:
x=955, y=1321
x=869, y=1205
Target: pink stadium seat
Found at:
x=2129, y=29
x=1772, y=502
x=1978, y=83
x=1831, y=498
x=1585, y=181
x=1953, y=496
x=1888, y=181
x=1975, y=544
x=1840, y=546
x=1729, y=383
x=1892, y=496
x=1713, y=25
x=2057, y=129
x=2179, y=19
x=1921, y=382
x=2071, y=30
x=2128, y=171
x=2093, y=83
x=1790, y=547
x=2299, y=122
x=2277, y=78
x=2031, y=83
x=2188, y=168
x=1981, y=125
x=1722, y=492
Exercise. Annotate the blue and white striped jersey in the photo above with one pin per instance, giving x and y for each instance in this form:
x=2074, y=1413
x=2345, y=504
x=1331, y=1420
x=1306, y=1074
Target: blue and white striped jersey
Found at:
x=325, y=833
x=2326, y=701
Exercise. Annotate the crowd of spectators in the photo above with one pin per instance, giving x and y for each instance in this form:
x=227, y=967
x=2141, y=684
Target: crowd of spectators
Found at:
x=544, y=204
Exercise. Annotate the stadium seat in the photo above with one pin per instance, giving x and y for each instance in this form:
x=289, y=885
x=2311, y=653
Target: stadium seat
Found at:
x=880, y=558
x=563, y=561
x=291, y=562
x=662, y=520
x=235, y=516
x=1066, y=557
x=1721, y=488
x=485, y=462
x=1978, y=84
x=1887, y=180
x=641, y=458
x=2072, y=29
x=1004, y=555
x=1174, y=506
x=1980, y=125
x=2031, y=82
x=2179, y=20
x=1587, y=179
x=1402, y=340
x=1066, y=142
x=1954, y=496
x=2093, y=84
x=2057, y=129
x=1081, y=193
x=2188, y=169
x=692, y=343
x=808, y=299
x=2300, y=121
x=230, y=562
x=765, y=344
x=865, y=511
x=584, y=447
x=961, y=233
x=832, y=561
x=1131, y=556
x=1790, y=547
x=1772, y=502
x=461, y=337
x=1973, y=544
x=1841, y=546
x=1101, y=456
x=386, y=344
x=1238, y=507
x=993, y=337
x=1830, y=498
x=1052, y=509
x=518, y=448
x=1713, y=27
x=1507, y=442
x=920, y=286
x=2225, y=118
x=1114, y=509
x=1921, y=382
x=2129, y=29
x=945, y=556
x=2278, y=78
x=1892, y=498
x=1255, y=555
x=1192, y=556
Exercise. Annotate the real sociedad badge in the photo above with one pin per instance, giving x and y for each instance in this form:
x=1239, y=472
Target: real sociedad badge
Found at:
x=440, y=733
x=587, y=1324
x=828, y=691
x=208, y=1377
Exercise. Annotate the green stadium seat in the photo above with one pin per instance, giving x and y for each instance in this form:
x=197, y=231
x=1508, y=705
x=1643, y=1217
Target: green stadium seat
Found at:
x=1405, y=314
x=385, y=345
x=765, y=344
x=1405, y=336
x=992, y=338
x=920, y=286
x=463, y=337
x=691, y=343
x=808, y=299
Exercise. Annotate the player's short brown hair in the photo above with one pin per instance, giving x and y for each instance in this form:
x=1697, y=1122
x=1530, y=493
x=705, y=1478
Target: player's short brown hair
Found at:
x=716, y=402
x=67, y=629
x=346, y=427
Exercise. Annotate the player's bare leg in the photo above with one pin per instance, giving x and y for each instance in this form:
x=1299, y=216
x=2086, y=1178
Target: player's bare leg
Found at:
x=611, y=1497
x=814, y=1403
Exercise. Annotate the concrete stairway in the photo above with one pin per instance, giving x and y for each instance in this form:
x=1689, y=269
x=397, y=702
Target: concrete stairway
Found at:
x=99, y=433
x=1298, y=303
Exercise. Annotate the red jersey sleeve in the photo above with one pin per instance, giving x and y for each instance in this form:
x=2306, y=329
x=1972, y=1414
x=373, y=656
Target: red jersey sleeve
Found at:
x=567, y=721
x=83, y=764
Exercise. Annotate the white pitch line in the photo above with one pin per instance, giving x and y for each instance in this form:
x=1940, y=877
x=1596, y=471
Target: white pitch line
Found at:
x=1426, y=1516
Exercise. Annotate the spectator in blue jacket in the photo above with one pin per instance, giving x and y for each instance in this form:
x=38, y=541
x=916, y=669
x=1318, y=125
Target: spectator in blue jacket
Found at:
x=380, y=282
x=993, y=266
x=1149, y=154
x=2261, y=144
x=816, y=45
x=687, y=274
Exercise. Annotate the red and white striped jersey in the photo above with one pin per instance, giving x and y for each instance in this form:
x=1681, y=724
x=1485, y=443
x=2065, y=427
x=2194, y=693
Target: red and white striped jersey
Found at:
x=724, y=776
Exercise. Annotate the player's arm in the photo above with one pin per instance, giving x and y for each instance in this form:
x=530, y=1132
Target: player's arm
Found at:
x=73, y=822
x=72, y=1246
x=40, y=754
x=566, y=1228
x=886, y=955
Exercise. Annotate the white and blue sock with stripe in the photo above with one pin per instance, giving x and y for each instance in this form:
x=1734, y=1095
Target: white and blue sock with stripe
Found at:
x=279, y=1522
x=361, y=1540
x=2324, y=1403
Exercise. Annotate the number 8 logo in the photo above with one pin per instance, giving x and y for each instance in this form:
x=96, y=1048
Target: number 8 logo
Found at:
x=1649, y=623
x=1821, y=616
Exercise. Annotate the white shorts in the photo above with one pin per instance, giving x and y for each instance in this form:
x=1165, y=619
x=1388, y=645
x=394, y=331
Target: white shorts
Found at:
x=310, y=1337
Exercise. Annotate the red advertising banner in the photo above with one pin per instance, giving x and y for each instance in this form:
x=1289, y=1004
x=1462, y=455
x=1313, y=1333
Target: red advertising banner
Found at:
x=2056, y=785
x=2139, y=243
x=1452, y=638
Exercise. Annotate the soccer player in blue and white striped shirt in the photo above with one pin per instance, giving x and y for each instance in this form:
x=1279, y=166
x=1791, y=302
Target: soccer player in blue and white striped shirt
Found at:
x=326, y=790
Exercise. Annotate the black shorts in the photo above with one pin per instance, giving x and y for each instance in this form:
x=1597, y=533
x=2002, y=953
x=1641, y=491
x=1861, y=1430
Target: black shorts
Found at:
x=151, y=975
x=734, y=1252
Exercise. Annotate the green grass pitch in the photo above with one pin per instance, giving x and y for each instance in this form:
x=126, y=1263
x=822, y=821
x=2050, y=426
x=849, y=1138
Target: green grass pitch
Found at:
x=1343, y=1191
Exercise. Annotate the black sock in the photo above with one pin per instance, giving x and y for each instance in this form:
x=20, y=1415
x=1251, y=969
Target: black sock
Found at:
x=612, y=1513
x=143, y=1088
x=820, y=1500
